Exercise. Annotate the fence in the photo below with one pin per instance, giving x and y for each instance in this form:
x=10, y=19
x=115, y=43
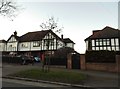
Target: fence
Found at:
x=56, y=61
x=10, y=59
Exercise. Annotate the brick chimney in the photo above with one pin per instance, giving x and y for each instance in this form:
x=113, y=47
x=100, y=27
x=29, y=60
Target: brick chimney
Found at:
x=62, y=36
x=15, y=33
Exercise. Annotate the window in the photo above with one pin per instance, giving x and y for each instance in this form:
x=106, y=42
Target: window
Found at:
x=97, y=42
x=108, y=42
x=101, y=48
x=52, y=42
x=36, y=44
x=93, y=48
x=93, y=42
x=104, y=42
x=24, y=45
x=46, y=42
x=117, y=42
x=104, y=48
x=109, y=48
x=117, y=49
x=87, y=45
x=112, y=42
x=97, y=48
x=10, y=46
x=113, y=48
x=59, y=44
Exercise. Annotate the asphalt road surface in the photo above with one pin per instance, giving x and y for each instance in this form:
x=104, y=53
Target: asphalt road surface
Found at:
x=8, y=85
x=18, y=84
x=22, y=83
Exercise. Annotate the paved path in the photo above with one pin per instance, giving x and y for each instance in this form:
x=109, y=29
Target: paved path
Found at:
x=95, y=78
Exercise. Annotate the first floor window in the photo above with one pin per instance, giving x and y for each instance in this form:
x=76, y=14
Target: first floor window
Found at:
x=36, y=44
x=93, y=42
x=87, y=45
x=24, y=45
x=106, y=44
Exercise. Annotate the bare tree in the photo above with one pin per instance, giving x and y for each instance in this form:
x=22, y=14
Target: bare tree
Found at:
x=8, y=8
x=51, y=24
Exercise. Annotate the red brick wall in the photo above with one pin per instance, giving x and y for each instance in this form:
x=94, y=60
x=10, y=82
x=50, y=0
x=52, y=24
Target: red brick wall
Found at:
x=110, y=67
x=118, y=62
x=69, y=61
x=82, y=62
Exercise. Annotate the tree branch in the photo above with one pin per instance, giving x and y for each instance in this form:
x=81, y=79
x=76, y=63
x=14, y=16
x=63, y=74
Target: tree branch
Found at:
x=7, y=8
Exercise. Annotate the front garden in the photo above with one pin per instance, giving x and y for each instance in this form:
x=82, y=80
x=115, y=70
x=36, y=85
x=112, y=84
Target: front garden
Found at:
x=55, y=75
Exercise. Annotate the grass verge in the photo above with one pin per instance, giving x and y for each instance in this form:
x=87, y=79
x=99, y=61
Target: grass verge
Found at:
x=53, y=75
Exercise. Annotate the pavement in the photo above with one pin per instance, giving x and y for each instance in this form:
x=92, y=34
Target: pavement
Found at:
x=95, y=78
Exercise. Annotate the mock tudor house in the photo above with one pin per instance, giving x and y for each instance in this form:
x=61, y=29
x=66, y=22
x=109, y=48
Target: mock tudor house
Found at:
x=35, y=43
x=106, y=39
x=2, y=45
x=39, y=42
x=68, y=42
x=12, y=43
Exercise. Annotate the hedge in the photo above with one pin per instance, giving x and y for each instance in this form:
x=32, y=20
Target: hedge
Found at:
x=100, y=56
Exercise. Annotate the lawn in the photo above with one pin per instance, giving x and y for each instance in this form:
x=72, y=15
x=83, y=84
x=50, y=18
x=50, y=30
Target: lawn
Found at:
x=53, y=75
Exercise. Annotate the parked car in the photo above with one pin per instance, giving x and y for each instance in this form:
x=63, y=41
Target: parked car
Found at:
x=27, y=60
x=36, y=59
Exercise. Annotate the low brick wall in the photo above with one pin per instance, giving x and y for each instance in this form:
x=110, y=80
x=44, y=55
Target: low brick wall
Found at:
x=110, y=67
x=82, y=62
x=69, y=61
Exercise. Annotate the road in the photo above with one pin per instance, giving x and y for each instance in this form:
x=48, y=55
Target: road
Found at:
x=22, y=83
x=12, y=84
x=16, y=84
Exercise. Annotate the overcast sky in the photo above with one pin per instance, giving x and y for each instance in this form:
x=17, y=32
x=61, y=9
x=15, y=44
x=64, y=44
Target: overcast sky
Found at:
x=79, y=19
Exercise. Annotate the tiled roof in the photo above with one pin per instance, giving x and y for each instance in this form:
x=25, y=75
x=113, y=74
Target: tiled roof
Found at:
x=36, y=36
x=33, y=36
x=67, y=40
x=106, y=32
x=2, y=41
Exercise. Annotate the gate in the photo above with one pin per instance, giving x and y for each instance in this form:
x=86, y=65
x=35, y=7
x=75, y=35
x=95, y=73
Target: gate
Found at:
x=75, y=61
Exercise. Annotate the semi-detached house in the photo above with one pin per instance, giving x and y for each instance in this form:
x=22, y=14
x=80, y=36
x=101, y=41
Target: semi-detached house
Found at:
x=106, y=39
x=35, y=43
